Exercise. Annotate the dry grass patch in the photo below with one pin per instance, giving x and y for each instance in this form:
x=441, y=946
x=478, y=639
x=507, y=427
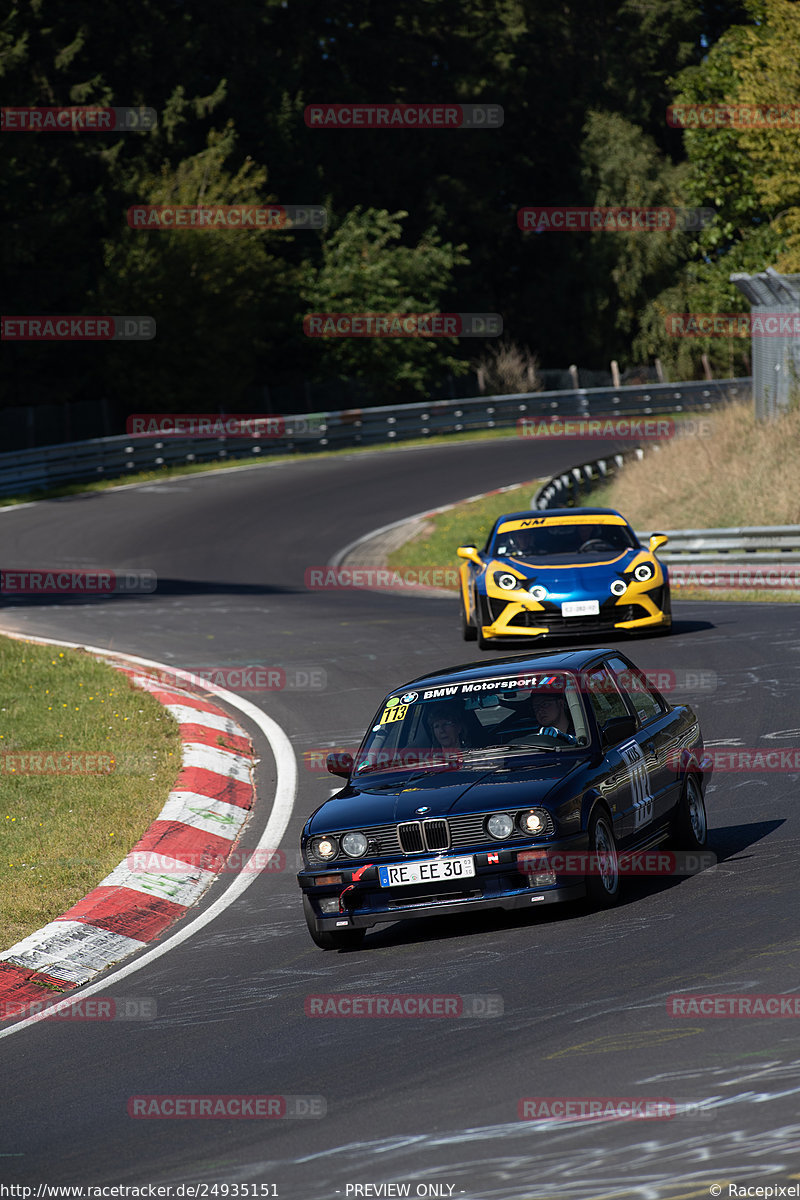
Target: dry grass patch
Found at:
x=61, y=833
x=743, y=473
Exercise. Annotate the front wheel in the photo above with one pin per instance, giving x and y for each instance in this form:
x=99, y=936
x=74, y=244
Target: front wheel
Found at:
x=689, y=823
x=483, y=618
x=603, y=882
x=344, y=939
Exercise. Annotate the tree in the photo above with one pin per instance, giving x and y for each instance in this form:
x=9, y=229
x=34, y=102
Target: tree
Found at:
x=723, y=165
x=220, y=297
x=366, y=269
x=768, y=67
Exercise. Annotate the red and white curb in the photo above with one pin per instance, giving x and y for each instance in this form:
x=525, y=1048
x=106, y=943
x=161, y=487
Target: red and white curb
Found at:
x=203, y=817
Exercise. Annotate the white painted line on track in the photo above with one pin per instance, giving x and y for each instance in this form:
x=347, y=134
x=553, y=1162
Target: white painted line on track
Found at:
x=285, y=792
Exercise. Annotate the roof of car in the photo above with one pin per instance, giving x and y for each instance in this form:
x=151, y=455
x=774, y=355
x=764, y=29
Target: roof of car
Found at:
x=559, y=512
x=553, y=660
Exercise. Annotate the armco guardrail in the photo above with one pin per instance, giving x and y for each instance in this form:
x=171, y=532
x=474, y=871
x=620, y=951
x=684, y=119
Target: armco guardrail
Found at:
x=25, y=471
x=739, y=544
x=563, y=491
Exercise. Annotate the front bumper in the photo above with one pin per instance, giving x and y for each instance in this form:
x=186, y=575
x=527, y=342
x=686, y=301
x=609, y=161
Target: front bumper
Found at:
x=365, y=903
x=527, y=618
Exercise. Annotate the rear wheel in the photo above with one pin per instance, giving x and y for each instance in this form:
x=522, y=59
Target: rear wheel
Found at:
x=603, y=883
x=344, y=939
x=468, y=632
x=689, y=823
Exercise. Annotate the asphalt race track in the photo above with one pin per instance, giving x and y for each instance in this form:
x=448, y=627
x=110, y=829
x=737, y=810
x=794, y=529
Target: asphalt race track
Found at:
x=419, y=1101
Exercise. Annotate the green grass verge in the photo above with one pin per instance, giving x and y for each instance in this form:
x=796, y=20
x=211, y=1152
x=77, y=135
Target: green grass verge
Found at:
x=60, y=834
x=466, y=524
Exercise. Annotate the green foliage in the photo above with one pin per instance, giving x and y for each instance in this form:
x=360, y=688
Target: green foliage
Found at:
x=584, y=88
x=748, y=177
x=365, y=269
x=218, y=296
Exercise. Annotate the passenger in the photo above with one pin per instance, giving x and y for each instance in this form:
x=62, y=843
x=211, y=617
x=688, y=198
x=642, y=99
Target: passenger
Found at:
x=448, y=728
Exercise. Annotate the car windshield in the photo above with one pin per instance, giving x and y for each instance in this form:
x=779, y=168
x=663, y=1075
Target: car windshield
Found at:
x=468, y=723
x=548, y=540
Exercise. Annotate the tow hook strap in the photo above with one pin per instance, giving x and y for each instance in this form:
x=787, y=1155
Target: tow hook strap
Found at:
x=356, y=876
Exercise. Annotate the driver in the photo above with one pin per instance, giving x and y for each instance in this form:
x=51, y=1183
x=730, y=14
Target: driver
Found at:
x=550, y=710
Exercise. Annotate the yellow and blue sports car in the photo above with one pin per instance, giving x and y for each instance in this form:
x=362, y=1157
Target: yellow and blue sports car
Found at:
x=559, y=572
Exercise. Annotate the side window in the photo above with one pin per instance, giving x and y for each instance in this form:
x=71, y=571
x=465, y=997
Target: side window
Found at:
x=575, y=708
x=646, y=705
x=604, y=696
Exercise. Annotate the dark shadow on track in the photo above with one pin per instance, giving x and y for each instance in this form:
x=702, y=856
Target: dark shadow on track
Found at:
x=166, y=587
x=611, y=637
x=725, y=843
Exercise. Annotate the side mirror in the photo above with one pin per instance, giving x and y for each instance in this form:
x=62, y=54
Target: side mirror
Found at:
x=340, y=763
x=617, y=730
x=470, y=552
x=656, y=540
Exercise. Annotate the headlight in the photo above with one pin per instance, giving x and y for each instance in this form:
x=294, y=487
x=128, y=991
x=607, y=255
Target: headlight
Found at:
x=354, y=844
x=644, y=572
x=533, y=821
x=324, y=847
x=538, y=592
x=500, y=826
x=619, y=587
x=507, y=582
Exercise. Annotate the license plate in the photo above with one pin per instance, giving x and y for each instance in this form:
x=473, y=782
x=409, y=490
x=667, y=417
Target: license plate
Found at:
x=580, y=608
x=402, y=874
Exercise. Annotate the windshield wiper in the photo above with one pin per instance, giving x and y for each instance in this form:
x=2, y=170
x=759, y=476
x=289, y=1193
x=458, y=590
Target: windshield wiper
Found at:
x=501, y=749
